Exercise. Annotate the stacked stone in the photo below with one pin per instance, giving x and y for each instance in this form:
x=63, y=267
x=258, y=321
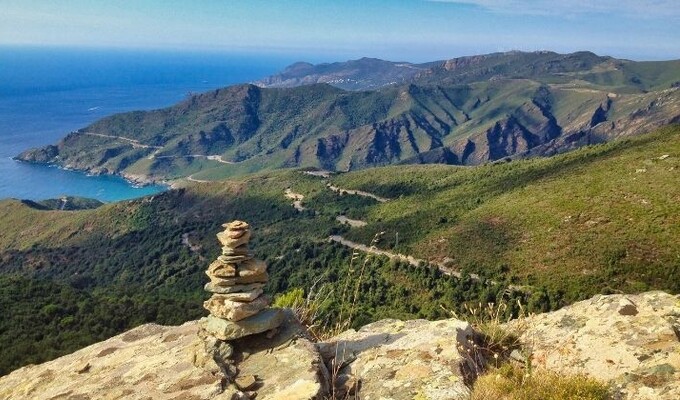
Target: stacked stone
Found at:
x=237, y=307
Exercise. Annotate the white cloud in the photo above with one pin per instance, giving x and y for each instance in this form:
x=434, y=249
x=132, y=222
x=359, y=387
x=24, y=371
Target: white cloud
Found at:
x=631, y=8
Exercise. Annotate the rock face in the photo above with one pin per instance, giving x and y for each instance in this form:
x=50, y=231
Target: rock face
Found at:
x=395, y=360
x=237, y=307
x=148, y=362
x=631, y=341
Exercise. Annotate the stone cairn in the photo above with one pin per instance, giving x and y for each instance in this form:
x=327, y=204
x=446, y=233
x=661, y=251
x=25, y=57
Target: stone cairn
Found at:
x=237, y=307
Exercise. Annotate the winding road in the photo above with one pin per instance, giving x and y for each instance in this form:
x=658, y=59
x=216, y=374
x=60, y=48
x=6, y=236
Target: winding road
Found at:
x=358, y=193
x=416, y=262
x=136, y=144
x=297, y=199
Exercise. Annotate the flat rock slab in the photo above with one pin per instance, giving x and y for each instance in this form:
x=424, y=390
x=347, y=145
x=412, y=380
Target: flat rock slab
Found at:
x=630, y=341
x=400, y=360
x=265, y=320
x=148, y=362
x=287, y=366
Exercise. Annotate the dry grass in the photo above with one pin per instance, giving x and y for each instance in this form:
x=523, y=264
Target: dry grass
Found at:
x=511, y=382
x=307, y=310
x=494, y=342
x=493, y=375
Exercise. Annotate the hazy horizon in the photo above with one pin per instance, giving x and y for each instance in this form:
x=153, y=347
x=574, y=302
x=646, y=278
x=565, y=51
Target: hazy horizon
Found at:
x=411, y=30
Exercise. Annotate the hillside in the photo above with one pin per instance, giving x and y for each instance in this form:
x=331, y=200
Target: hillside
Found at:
x=362, y=74
x=464, y=111
x=66, y=203
x=547, y=231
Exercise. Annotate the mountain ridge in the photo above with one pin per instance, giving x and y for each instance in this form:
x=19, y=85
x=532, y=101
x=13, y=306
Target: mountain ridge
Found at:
x=465, y=111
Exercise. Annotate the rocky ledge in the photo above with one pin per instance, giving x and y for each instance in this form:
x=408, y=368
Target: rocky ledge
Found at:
x=632, y=342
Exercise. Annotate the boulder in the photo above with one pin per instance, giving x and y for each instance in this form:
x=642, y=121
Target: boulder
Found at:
x=630, y=341
x=397, y=360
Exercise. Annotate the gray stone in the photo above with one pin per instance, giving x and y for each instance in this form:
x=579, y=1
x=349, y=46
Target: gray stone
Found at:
x=240, y=280
x=210, y=287
x=239, y=251
x=631, y=342
x=265, y=320
x=220, y=306
x=234, y=259
x=287, y=364
x=243, y=297
x=402, y=360
x=149, y=362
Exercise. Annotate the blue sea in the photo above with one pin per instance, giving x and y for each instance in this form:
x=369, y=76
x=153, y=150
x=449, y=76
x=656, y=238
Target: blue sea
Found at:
x=47, y=92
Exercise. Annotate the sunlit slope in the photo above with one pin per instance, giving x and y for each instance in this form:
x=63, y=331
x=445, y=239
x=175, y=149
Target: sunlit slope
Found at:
x=596, y=218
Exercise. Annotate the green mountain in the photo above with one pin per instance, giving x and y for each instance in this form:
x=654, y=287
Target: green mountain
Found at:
x=546, y=231
x=465, y=111
x=362, y=74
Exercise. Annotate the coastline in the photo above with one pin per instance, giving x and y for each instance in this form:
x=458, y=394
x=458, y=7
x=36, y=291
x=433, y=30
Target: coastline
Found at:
x=117, y=193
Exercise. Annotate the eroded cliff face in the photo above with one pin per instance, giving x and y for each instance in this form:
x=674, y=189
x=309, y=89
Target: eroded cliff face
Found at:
x=631, y=342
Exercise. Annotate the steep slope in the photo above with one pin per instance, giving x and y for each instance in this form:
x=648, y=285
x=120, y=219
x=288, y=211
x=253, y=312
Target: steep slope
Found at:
x=244, y=129
x=577, y=220
x=370, y=73
x=582, y=67
x=66, y=203
x=599, y=219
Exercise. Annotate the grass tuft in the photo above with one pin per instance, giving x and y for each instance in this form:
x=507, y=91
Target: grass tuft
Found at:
x=511, y=382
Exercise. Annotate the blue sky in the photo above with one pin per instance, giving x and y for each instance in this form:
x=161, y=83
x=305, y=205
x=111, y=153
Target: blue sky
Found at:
x=412, y=30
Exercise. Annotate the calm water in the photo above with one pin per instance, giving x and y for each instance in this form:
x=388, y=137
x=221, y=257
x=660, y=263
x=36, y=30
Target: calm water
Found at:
x=46, y=93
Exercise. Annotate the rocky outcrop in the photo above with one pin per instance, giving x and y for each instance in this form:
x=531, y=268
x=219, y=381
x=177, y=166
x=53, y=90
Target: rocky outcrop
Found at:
x=150, y=361
x=398, y=360
x=629, y=341
x=282, y=366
